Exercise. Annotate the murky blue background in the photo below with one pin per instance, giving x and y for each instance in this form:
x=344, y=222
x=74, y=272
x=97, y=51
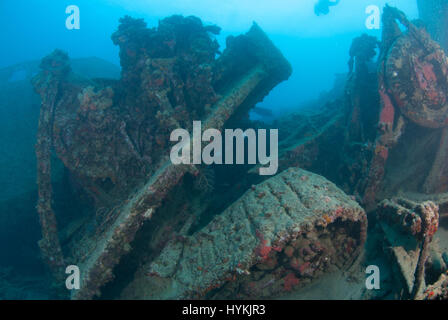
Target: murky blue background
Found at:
x=316, y=46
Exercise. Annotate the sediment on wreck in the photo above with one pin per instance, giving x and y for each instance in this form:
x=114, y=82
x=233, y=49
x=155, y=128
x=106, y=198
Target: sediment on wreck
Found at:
x=113, y=136
x=278, y=237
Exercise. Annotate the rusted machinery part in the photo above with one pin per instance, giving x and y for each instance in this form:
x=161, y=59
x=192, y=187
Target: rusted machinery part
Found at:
x=429, y=213
x=98, y=252
x=277, y=237
x=54, y=69
x=99, y=265
x=436, y=291
x=387, y=114
x=417, y=79
x=244, y=90
x=423, y=100
x=415, y=72
x=419, y=221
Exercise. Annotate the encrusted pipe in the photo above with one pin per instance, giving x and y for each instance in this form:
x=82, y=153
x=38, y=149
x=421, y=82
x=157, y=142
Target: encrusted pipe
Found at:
x=54, y=67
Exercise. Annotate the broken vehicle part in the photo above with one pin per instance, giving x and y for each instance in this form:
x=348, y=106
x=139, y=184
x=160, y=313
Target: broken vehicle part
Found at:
x=278, y=237
x=413, y=84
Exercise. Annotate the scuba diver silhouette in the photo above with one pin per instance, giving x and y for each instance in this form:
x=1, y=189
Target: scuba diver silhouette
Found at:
x=323, y=6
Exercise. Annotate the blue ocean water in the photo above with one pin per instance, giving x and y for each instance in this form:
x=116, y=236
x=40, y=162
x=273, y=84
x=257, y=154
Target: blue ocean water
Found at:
x=316, y=46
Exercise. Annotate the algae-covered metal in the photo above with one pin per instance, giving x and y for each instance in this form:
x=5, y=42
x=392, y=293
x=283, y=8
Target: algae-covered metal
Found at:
x=113, y=135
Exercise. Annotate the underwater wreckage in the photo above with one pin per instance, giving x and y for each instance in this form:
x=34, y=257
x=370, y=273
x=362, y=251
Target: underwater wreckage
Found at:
x=113, y=136
x=150, y=234
x=392, y=127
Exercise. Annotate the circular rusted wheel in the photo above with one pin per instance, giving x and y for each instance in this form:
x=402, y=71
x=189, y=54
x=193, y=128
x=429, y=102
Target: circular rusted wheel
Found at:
x=418, y=81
